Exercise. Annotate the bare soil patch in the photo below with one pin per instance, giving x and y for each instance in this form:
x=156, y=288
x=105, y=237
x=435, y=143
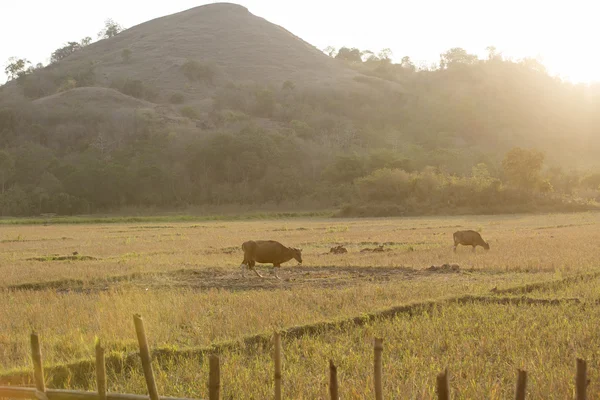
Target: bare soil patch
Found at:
x=292, y=277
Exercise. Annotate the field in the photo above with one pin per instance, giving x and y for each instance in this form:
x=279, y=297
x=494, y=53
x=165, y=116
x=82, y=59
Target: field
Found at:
x=184, y=278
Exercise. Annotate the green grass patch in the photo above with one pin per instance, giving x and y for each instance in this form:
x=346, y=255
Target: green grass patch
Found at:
x=163, y=218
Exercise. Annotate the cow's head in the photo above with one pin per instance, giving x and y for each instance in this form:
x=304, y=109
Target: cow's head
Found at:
x=486, y=245
x=297, y=254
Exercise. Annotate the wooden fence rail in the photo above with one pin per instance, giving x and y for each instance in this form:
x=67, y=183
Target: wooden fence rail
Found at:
x=40, y=392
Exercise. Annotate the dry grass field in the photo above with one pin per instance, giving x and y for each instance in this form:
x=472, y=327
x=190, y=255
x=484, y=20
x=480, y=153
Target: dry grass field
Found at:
x=482, y=345
x=184, y=279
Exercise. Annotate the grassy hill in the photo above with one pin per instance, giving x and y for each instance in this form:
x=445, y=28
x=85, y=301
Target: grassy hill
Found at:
x=193, y=53
x=215, y=106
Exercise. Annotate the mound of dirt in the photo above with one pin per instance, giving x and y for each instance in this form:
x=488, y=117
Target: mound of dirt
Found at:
x=338, y=250
x=378, y=249
x=444, y=268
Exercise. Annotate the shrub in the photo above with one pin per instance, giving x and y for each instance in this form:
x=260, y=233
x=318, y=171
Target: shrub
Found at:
x=265, y=103
x=385, y=185
x=135, y=88
x=84, y=75
x=302, y=129
x=68, y=84
x=195, y=71
x=126, y=55
x=288, y=85
x=37, y=85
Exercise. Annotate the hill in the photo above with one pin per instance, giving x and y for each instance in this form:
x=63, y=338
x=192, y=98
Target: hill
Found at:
x=215, y=106
x=193, y=53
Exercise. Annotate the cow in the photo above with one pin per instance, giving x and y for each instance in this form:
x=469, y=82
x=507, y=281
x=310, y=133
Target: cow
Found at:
x=267, y=251
x=469, y=238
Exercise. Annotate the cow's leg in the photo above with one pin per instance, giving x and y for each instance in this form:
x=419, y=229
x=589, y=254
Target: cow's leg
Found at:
x=274, y=270
x=251, y=265
x=474, y=249
x=454, y=248
x=244, y=266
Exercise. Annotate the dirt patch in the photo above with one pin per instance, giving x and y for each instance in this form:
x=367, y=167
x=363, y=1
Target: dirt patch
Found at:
x=378, y=249
x=291, y=277
x=444, y=268
x=33, y=240
x=152, y=227
x=228, y=279
x=75, y=257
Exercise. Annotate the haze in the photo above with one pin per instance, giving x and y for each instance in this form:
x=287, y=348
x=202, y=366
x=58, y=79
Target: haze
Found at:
x=560, y=34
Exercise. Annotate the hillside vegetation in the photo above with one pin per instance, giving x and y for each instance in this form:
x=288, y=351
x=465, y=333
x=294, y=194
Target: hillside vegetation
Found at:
x=215, y=106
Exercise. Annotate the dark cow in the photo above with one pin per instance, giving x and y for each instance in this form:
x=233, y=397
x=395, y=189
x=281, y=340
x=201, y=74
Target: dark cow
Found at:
x=469, y=238
x=267, y=251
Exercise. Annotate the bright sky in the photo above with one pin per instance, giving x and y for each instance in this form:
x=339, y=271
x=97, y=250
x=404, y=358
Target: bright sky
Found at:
x=562, y=33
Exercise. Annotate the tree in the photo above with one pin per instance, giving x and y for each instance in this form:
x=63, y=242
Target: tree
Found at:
x=111, y=29
x=493, y=54
x=265, y=103
x=68, y=49
x=64, y=51
x=386, y=55
x=407, y=64
x=330, y=51
x=7, y=166
x=368, y=56
x=480, y=171
x=351, y=55
x=345, y=168
x=17, y=68
x=522, y=167
x=533, y=64
x=385, y=184
x=456, y=56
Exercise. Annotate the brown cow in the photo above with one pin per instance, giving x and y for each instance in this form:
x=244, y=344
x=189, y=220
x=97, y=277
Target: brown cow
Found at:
x=469, y=238
x=267, y=251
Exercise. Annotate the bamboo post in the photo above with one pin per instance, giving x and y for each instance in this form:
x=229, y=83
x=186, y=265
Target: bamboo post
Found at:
x=277, y=359
x=100, y=371
x=521, y=385
x=333, y=383
x=214, y=378
x=145, y=356
x=378, y=349
x=581, y=380
x=443, y=386
x=38, y=369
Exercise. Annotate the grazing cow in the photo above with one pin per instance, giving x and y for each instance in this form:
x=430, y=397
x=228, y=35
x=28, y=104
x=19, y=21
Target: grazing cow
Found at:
x=267, y=251
x=469, y=238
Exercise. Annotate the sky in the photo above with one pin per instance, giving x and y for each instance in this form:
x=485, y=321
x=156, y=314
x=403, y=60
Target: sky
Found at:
x=561, y=34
